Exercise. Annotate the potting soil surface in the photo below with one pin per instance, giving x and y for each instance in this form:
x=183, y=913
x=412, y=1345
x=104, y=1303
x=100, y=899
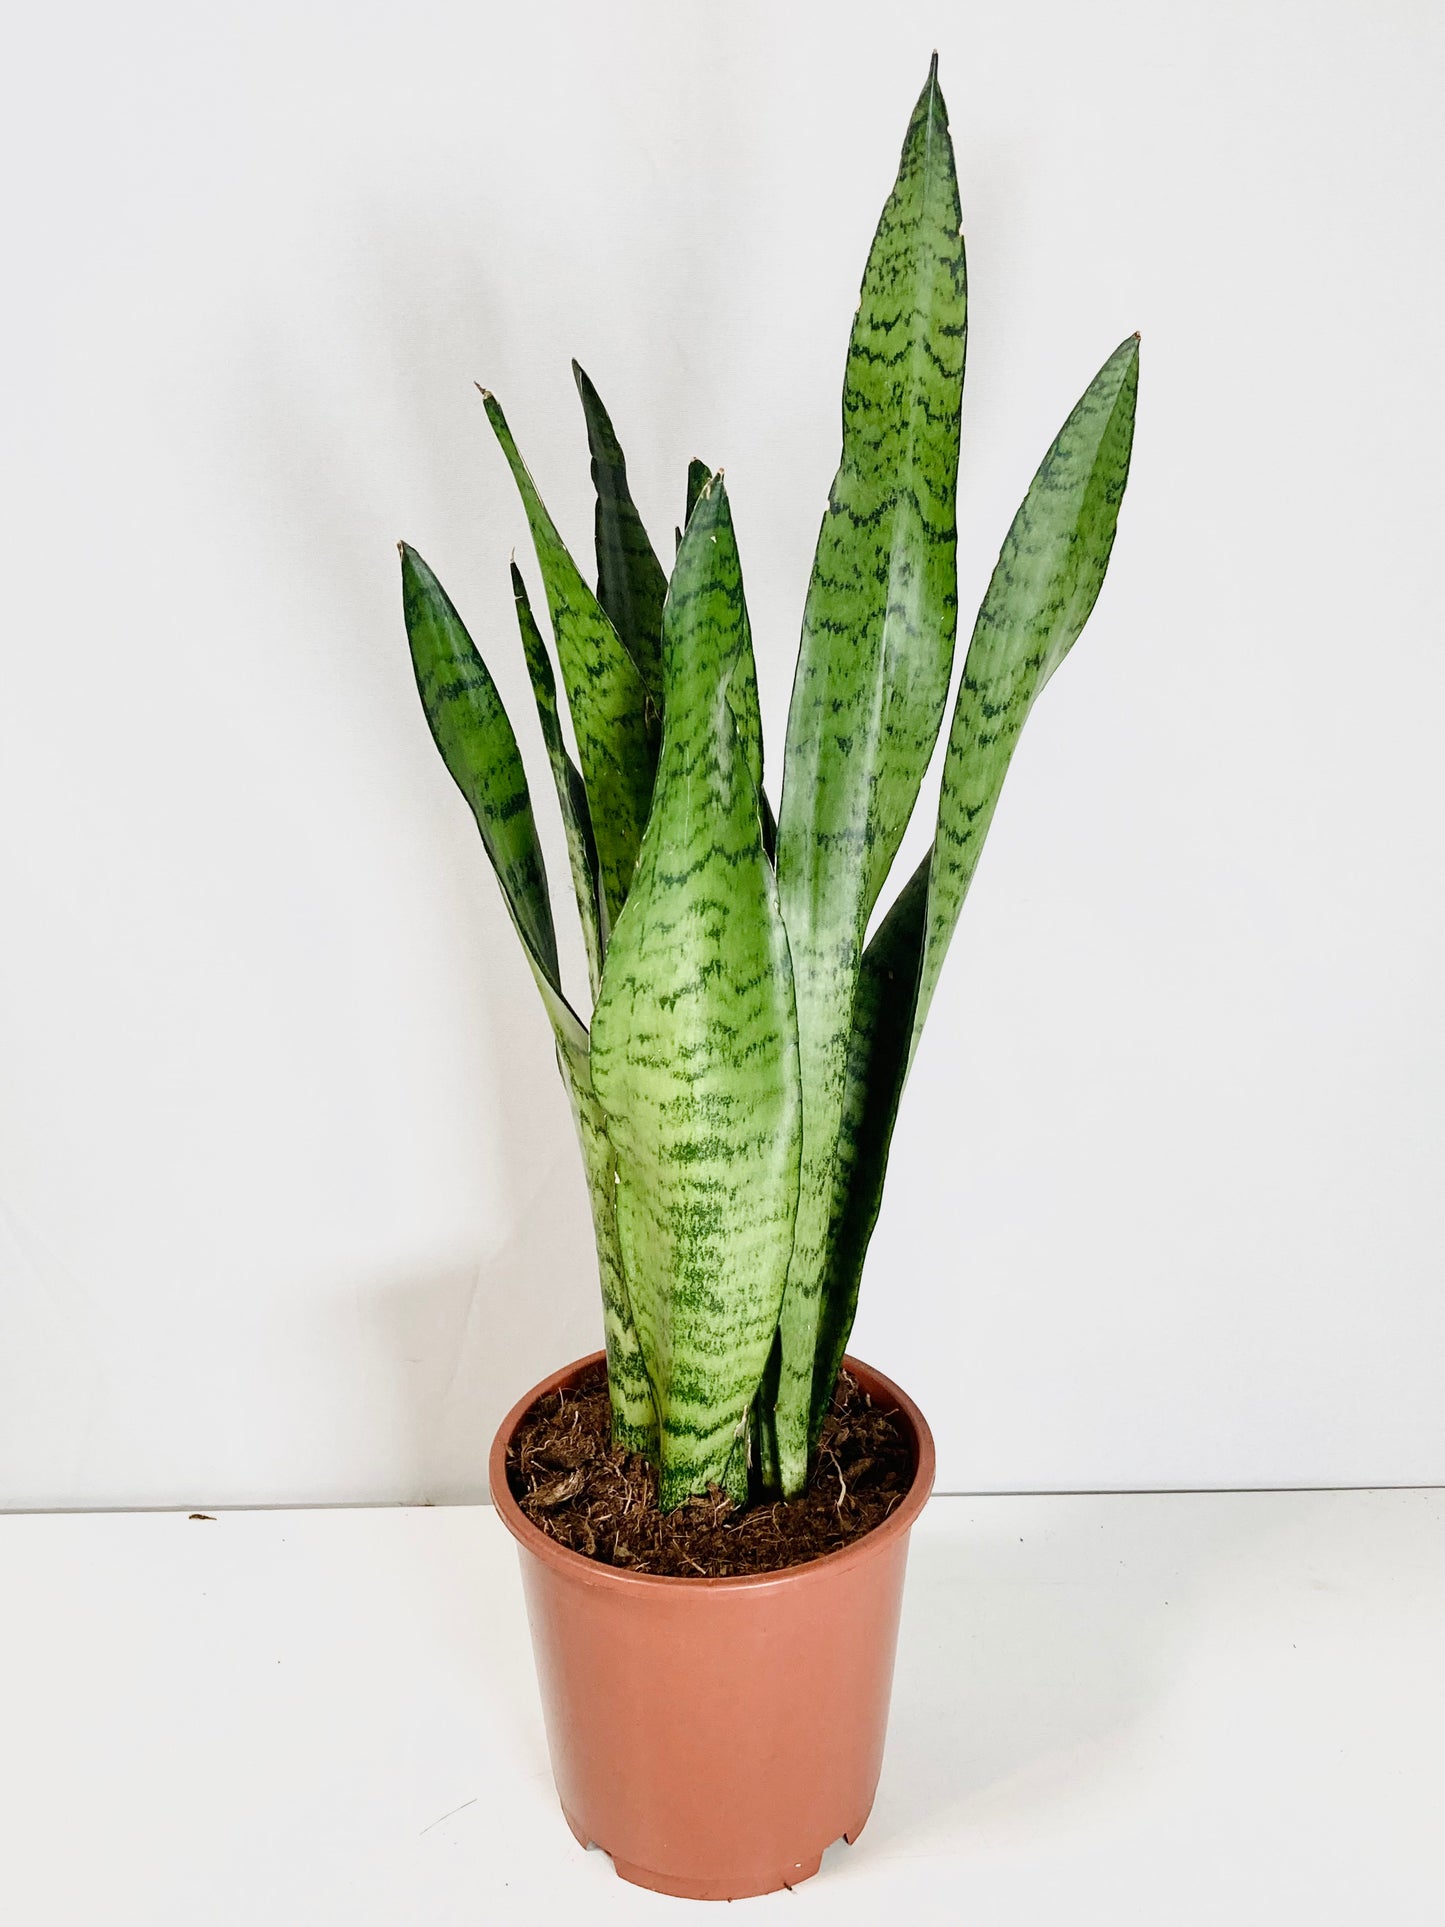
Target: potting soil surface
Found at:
x=592, y=1496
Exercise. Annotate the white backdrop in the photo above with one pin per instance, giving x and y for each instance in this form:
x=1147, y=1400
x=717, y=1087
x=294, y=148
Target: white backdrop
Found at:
x=289, y=1206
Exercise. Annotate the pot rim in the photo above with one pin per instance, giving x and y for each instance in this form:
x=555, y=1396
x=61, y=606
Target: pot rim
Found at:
x=578, y=1567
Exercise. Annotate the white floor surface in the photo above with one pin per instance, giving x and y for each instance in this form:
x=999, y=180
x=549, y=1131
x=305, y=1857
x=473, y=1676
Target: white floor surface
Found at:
x=1156, y=1709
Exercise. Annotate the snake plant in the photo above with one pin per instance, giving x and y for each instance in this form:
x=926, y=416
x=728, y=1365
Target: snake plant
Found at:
x=736, y=1090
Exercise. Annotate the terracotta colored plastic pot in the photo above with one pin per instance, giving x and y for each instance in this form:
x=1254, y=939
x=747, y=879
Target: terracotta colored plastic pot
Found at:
x=715, y=1735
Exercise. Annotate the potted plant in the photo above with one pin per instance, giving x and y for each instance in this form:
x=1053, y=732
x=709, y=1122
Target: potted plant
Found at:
x=736, y=1089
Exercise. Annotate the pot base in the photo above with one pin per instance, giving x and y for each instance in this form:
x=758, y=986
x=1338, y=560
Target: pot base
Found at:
x=718, y=1889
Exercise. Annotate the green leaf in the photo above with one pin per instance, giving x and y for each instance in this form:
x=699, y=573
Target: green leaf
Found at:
x=744, y=687
x=877, y=1065
x=634, y=1416
x=695, y=1043
x=698, y=476
x=743, y=677
x=471, y=729
x=631, y=584
x=614, y=720
x=571, y=794
x=1045, y=585
x=872, y=681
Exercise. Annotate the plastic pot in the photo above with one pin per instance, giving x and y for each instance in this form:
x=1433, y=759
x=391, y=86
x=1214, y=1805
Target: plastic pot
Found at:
x=715, y=1735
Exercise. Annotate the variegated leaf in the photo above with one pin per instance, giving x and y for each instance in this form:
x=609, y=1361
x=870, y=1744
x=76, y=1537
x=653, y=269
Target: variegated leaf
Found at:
x=471, y=729
x=473, y=733
x=695, y=1043
x=698, y=476
x=615, y=722
x=1046, y=582
x=571, y=792
x=1044, y=586
x=872, y=680
x=631, y=584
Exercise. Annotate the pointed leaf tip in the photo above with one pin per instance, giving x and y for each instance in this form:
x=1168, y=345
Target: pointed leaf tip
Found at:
x=930, y=108
x=631, y=582
x=616, y=731
x=470, y=727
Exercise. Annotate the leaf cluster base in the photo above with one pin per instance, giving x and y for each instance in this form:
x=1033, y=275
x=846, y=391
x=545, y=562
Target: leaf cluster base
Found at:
x=574, y=1484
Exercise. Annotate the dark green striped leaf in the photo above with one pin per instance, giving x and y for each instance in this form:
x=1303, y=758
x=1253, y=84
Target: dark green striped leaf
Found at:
x=744, y=686
x=631, y=584
x=873, y=671
x=615, y=723
x=474, y=735
x=634, y=1416
x=695, y=1043
x=471, y=729
x=1042, y=591
x=877, y=1065
x=571, y=795
x=1044, y=585
x=698, y=475
x=743, y=676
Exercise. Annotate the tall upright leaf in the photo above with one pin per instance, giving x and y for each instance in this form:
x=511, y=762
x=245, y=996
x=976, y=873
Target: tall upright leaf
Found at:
x=1043, y=588
x=877, y=649
x=1046, y=582
x=571, y=793
x=614, y=721
x=695, y=1055
x=471, y=729
x=631, y=584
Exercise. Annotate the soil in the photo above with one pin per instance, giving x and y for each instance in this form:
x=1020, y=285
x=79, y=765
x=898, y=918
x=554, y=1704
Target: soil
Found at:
x=587, y=1493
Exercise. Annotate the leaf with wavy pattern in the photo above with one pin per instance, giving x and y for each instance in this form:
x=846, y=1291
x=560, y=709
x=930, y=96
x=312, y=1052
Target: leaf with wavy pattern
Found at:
x=694, y=1041
x=745, y=683
x=872, y=680
x=634, y=1415
x=615, y=722
x=567, y=780
x=1042, y=591
x=1041, y=594
x=877, y=1066
x=471, y=729
x=631, y=585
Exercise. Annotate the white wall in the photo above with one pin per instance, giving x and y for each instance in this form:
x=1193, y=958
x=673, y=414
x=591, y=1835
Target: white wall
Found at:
x=289, y=1208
